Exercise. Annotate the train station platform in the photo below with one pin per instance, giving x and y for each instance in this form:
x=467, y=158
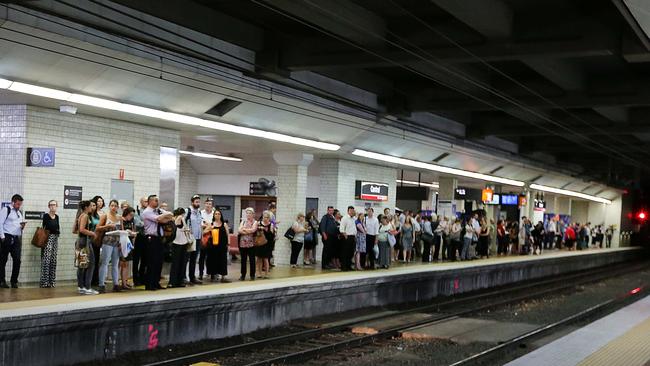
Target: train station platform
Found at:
x=620, y=338
x=118, y=323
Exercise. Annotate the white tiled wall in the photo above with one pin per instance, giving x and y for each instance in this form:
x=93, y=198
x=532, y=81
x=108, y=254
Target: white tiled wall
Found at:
x=188, y=183
x=90, y=151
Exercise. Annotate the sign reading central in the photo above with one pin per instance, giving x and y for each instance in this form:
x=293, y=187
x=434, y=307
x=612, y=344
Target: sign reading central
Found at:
x=371, y=191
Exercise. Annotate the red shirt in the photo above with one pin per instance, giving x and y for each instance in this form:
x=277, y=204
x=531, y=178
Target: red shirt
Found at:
x=570, y=233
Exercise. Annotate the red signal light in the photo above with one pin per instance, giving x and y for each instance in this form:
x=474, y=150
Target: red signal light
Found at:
x=642, y=215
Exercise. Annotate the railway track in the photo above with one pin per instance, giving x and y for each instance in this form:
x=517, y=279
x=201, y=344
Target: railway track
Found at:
x=324, y=343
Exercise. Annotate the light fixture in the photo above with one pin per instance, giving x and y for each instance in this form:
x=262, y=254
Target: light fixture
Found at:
x=155, y=113
x=4, y=83
x=430, y=185
x=39, y=90
x=436, y=168
x=570, y=193
x=209, y=156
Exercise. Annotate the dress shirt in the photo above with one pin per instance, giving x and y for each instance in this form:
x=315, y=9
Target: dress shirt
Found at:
x=10, y=224
x=372, y=225
x=348, y=225
x=426, y=227
x=196, y=218
x=150, y=219
x=328, y=225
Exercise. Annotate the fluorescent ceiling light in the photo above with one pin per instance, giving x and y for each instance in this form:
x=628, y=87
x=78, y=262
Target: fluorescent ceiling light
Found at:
x=431, y=185
x=570, y=193
x=39, y=90
x=209, y=156
x=4, y=83
x=155, y=113
x=436, y=168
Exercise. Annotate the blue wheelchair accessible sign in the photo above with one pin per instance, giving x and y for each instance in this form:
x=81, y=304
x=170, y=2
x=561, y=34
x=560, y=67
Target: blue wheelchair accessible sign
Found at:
x=40, y=156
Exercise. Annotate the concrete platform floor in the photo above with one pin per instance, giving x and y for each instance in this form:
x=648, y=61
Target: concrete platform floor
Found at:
x=620, y=338
x=24, y=301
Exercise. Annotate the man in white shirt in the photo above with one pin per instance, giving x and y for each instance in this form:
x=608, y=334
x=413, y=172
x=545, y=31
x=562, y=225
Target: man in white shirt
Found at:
x=12, y=223
x=551, y=228
x=207, y=214
x=372, y=229
x=349, y=231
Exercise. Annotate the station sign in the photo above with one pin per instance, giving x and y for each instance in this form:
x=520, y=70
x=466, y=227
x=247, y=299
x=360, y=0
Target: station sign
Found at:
x=468, y=194
x=263, y=187
x=71, y=197
x=371, y=191
x=34, y=215
x=40, y=156
x=486, y=195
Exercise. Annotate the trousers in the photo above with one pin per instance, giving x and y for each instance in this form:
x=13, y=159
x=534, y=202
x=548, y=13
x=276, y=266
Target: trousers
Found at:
x=109, y=254
x=155, y=257
x=12, y=245
x=347, y=253
x=247, y=253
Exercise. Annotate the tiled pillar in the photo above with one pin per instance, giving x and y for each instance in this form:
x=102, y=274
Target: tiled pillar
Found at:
x=446, y=190
x=13, y=155
x=291, y=198
x=13, y=140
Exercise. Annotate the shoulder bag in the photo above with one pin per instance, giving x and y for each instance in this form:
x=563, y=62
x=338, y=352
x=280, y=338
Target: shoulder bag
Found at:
x=290, y=233
x=39, y=239
x=260, y=238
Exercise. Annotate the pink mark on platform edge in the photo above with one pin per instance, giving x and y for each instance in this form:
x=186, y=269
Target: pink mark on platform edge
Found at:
x=456, y=284
x=153, y=337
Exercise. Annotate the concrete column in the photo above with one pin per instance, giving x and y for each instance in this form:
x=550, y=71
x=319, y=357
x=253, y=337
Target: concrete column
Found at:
x=291, y=197
x=446, y=191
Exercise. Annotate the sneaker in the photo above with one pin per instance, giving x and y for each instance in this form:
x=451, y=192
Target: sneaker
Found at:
x=225, y=280
x=3, y=284
x=81, y=290
x=293, y=266
x=14, y=285
x=102, y=289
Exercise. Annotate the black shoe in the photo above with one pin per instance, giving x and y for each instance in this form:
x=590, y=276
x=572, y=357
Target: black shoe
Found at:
x=14, y=285
x=242, y=278
x=253, y=278
x=196, y=282
x=3, y=284
x=102, y=289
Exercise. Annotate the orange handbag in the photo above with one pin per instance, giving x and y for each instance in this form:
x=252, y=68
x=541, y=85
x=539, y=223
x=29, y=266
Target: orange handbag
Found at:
x=204, y=239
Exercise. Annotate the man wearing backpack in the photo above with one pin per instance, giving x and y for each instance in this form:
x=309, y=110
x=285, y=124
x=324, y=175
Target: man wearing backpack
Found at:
x=12, y=223
x=194, y=220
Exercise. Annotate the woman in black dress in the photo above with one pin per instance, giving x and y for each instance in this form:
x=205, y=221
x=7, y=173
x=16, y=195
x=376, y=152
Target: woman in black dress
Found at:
x=49, y=252
x=216, y=260
x=263, y=252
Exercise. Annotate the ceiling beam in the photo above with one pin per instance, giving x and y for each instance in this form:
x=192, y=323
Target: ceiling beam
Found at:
x=339, y=17
x=491, y=18
x=202, y=19
x=490, y=51
x=570, y=100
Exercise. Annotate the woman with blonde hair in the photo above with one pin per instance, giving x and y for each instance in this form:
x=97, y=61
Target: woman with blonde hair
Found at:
x=300, y=227
x=263, y=252
x=247, y=230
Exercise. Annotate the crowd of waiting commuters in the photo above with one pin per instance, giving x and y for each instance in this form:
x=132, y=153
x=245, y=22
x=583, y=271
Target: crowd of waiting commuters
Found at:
x=111, y=238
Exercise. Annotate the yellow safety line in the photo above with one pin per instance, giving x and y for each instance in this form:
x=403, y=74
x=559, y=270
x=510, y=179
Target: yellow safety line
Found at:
x=630, y=349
